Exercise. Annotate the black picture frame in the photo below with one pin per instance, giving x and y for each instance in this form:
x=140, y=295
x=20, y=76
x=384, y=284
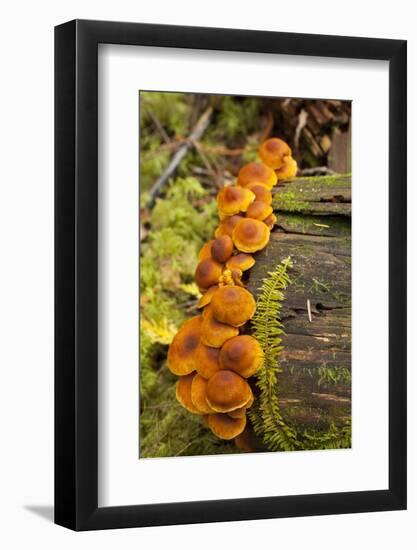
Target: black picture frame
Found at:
x=76, y=272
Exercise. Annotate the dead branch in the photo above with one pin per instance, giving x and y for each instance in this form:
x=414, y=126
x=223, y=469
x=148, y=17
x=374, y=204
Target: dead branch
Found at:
x=195, y=135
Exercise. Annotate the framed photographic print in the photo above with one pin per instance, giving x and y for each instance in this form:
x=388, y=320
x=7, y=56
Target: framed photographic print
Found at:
x=230, y=275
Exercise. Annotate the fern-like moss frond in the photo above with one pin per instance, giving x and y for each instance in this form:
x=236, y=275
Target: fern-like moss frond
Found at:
x=267, y=329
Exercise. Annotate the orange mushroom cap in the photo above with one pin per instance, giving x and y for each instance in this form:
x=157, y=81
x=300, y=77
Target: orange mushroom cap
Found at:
x=227, y=225
x=213, y=332
x=207, y=296
x=207, y=360
x=262, y=191
x=207, y=273
x=205, y=251
x=199, y=393
x=225, y=427
x=232, y=200
x=272, y=152
x=259, y=210
x=242, y=354
x=181, y=353
x=238, y=413
x=250, y=235
x=222, y=248
x=288, y=169
x=256, y=172
x=183, y=393
x=270, y=221
x=241, y=261
x=227, y=391
x=232, y=305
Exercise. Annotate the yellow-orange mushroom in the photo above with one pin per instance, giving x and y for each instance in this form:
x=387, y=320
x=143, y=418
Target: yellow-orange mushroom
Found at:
x=256, y=172
x=225, y=427
x=232, y=200
x=232, y=305
x=272, y=152
x=288, y=169
x=183, y=393
x=207, y=273
x=199, y=395
x=242, y=354
x=250, y=235
x=207, y=360
x=227, y=391
x=181, y=353
x=213, y=332
x=259, y=210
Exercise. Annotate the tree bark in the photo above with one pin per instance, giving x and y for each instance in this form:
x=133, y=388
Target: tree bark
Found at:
x=314, y=228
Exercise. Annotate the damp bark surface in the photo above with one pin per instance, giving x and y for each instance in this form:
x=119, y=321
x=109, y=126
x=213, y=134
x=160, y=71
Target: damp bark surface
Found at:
x=314, y=228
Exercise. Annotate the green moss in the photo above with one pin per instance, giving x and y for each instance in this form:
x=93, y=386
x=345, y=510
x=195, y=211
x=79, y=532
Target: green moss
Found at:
x=336, y=437
x=289, y=201
x=338, y=180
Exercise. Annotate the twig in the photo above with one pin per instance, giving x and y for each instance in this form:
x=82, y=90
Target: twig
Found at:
x=159, y=126
x=317, y=171
x=195, y=135
x=309, y=311
x=200, y=151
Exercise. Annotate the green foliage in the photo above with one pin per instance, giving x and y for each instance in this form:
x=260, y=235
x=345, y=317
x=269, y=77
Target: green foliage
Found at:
x=237, y=116
x=334, y=375
x=267, y=329
x=335, y=438
x=180, y=223
x=172, y=110
x=265, y=414
x=167, y=429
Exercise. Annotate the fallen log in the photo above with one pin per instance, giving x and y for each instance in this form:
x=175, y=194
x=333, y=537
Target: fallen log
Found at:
x=314, y=228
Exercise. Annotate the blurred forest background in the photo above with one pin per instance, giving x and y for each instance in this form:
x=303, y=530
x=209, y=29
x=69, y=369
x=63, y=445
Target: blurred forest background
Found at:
x=190, y=146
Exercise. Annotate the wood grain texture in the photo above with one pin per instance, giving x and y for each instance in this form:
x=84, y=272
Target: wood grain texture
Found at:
x=314, y=228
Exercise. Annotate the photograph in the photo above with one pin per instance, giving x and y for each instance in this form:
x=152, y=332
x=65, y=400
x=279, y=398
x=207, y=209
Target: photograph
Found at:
x=245, y=274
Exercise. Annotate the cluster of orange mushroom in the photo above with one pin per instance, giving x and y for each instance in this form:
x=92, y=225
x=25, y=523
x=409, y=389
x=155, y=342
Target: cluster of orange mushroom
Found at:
x=211, y=353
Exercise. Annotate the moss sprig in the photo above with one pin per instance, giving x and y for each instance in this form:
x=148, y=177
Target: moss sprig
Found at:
x=268, y=329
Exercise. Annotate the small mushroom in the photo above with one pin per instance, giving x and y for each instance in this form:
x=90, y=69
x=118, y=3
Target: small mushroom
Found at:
x=225, y=427
x=213, y=332
x=270, y=221
x=181, y=353
x=238, y=413
x=241, y=354
x=288, y=169
x=199, y=394
x=227, y=225
x=205, y=252
x=259, y=210
x=232, y=305
x=207, y=360
x=207, y=273
x=250, y=235
x=272, y=152
x=256, y=172
x=240, y=261
x=232, y=200
x=227, y=391
x=222, y=249
x=207, y=296
x=183, y=393
x=262, y=191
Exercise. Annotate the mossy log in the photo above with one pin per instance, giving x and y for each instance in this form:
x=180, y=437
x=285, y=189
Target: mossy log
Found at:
x=314, y=228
